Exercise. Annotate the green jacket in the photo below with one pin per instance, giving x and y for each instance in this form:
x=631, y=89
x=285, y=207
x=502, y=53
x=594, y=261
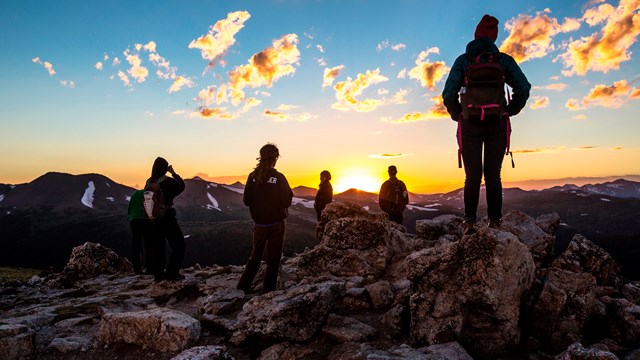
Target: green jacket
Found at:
x=514, y=78
x=135, y=210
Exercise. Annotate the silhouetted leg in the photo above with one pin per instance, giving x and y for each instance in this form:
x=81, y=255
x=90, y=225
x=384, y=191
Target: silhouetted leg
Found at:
x=275, y=244
x=472, y=159
x=494, y=148
x=260, y=237
x=148, y=236
x=396, y=217
x=158, y=252
x=177, y=244
x=137, y=235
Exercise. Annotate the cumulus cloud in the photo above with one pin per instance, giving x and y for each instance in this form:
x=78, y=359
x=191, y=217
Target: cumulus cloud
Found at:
x=321, y=61
x=539, y=102
x=214, y=113
x=116, y=62
x=530, y=37
x=221, y=36
x=165, y=70
x=384, y=44
x=283, y=114
x=436, y=111
x=426, y=72
x=68, y=83
x=331, y=74
x=609, y=96
x=402, y=74
x=179, y=83
x=99, y=65
x=47, y=65
x=137, y=71
x=388, y=155
x=606, y=49
x=556, y=87
x=124, y=78
x=347, y=92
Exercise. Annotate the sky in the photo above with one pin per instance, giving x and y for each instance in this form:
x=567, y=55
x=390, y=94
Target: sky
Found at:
x=347, y=86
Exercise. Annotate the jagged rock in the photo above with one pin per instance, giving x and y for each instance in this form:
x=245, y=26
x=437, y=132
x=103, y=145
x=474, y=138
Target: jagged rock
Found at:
x=584, y=256
x=71, y=343
x=210, y=352
x=160, y=329
x=469, y=291
x=525, y=228
x=294, y=314
x=356, y=298
x=549, y=223
x=624, y=320
x=345, y=329
x=287, y=351
x=222, y=301
x=16, y=341
x=433, y=229
x=394, y=319
x=355, y=351
x=92, y=259
x=577, y=352
x=563, y=307
x=381, y=294
x=631, y=292
x=338, y=210
x=448, y=351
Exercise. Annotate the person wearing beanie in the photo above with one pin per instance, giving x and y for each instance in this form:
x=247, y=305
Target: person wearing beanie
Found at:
x=491, y=132
x=393, y=197
x=268, y=195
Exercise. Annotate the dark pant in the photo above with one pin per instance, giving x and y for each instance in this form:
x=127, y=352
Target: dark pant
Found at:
x=396, y=216
x=140, y=234
x=168, y=228
x=269, y=237
x=491, y=133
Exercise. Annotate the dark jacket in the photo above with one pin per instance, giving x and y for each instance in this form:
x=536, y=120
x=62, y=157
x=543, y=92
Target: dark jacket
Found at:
x=324, y=195
x=514, y=78
x=268, y=202
x=391, y=200
x=171, y=187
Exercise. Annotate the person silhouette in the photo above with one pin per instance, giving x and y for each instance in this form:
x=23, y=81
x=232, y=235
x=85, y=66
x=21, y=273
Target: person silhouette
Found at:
x=491, y=131
x=324, y=195
x=393, y=197
x=268, y=195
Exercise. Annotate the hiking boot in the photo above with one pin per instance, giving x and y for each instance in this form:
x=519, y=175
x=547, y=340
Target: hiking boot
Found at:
x=468, y=227
x=495, y=223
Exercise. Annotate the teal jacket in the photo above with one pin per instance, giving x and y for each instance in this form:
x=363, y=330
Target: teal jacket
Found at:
x=135, y=210
x=514, y=78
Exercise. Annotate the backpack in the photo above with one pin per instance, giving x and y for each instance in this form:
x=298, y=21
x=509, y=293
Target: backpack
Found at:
x=397, y=196
x=153, y=201
x=483, y=92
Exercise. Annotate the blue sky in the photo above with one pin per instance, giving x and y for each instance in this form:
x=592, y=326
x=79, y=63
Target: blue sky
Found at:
x=83, y=119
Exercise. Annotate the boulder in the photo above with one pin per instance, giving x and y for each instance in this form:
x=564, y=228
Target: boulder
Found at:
x=69, y=344
x=526, y=229
x=210, y=352
x=584, y=256
x=159, y=329
x=221, y=301
x=16, y=341
x=338, y=210
x=91, y=259
x=549, y=223
x=624, y=321
x=558, y=317
x=433, y=229
x=577, y=352
x=631, y=292
x=295, y=314
x=446, y=351
x=288, y=351
x=381, y=294
x=345, y=329
x=470, y=291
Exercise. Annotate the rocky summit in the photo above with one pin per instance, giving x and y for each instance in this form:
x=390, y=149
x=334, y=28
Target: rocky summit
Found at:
x=368, y=290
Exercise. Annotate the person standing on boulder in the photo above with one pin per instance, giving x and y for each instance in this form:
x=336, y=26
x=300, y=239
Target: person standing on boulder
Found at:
x=484, y=122
x=167, y=226
x=393, y=197
x=140, y=233
x=324, y=195
x=268, y=196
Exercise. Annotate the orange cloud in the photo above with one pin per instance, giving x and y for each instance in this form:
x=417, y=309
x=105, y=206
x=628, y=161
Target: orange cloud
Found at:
x=556, y=87
x=530, y=37
x=617, y=148
x=437, y=111
x=221, y=36
x=426, y=72
x=542, y=150
x=539, y=102
x=47, y=65
x=606, y=49
x=348, y=91
x=282, y=114
x=613, y=96
x=331, y=74
x=218, y=113
x=179, y=83
x=388, y=156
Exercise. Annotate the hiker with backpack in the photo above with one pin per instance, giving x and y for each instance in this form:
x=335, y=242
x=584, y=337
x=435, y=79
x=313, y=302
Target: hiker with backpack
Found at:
x=474, y=96
x=141, y=232
x=393, y=197
x=268, y=195
x=160, y=191
x=324, y=195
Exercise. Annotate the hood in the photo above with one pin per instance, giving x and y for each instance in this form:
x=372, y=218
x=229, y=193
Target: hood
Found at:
x=480, y=45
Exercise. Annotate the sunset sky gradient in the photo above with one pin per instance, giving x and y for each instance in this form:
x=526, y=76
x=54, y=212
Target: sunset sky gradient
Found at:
x=347, y=86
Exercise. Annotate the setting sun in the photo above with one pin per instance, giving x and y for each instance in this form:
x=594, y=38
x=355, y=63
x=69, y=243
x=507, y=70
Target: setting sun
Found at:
x=359, y=181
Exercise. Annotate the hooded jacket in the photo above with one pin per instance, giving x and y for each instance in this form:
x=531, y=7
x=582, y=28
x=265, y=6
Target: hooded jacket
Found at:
x=268, y=202
x=514, y=78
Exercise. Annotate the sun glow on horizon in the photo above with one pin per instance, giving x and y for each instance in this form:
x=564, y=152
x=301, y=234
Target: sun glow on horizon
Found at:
x=360, y=181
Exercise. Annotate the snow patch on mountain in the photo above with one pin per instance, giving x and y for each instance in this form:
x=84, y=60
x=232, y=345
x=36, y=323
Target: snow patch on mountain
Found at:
x=422, y=208
x=1, y=197
x=214, y=203
x=304, y=202
x=87, y=198
x=210, y=185
x=603, y=199
x=111, y=199
x=108, y=184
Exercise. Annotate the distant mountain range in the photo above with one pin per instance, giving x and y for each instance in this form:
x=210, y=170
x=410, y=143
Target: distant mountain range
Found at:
x=41, y=221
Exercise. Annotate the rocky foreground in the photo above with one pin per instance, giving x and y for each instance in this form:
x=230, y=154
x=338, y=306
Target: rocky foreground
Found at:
x=369, y=290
